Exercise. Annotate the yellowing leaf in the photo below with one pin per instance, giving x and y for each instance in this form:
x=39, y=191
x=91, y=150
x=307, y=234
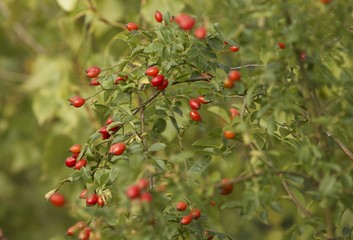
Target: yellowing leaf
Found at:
x=67, y=5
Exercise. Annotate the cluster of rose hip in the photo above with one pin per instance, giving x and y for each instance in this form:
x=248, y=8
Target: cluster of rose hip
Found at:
x=185, y=22
x=72, y=161
x=194, y=213
x=92, y=198
x=225, y=188
x=84, y=232
x=157, y=80
x=108, y=129
x=139, y=191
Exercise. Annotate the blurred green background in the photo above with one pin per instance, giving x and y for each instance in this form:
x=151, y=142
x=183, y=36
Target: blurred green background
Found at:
x=45, y=47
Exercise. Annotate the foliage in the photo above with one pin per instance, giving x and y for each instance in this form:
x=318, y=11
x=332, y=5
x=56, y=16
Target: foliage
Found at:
x=289, y=162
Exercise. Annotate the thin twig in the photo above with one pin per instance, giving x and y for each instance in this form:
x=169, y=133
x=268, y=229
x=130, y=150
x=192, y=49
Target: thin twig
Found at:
x=195, y=79
x=240, y=178
x=93, y=8
x=295, y=200
x=145, y=104
x=248, y=66
x=111, y=23
x=341, y=145
x=144, y=139
x=148, y=101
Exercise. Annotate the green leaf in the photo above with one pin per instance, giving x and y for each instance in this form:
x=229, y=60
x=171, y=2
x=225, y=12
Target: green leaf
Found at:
x=264, y=217
x=178, y=110
x=154, y=47
x=276, y=206
x=200, y=166
x=156, y=147
x=284, y=132
x=208, y=142
x=160, y=113
x=104, y=178
x=98, y=174
x=232, y=204
x=298, y=195
x=113, y=173
x=215, y=43
x=160, y=163
x=159, y=126
x=221, y=112
x=271, y=125
x=328, y=186
x=175, y=123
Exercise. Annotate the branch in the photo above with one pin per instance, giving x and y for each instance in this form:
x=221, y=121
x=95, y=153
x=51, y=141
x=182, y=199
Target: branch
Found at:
x=245, y=177
x=341, y=145
x=103, y=19
x=195, y=79
x=111, y=23
x=248, y=66
x=145, y=104
x=148, y=101
x=142, y=107
x=241, y=178
x=295, y=200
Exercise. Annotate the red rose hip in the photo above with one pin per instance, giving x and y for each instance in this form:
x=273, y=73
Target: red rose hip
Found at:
x=158, y=16
x=281, y=45
x=100, y=201
x=80, y=163
x=229, y=134
x=83, y=194
x=226, y=187
x=195, y=115
x=77, y=101
x=228, y=83
x=233, y=49
x=117, y=149
x=194, y=104
x=181, y=206
x=157, y=80
x=71, y=230
x=92, y=200
x=57, y=199
x=152, y=71
x=233, y=113
x=234, y=75
x=164, y=85
x=133, y=192
x=93, y=72
x=70, y=162
x=202, y=100
x=195, y=213
x=185, y=21
x=200, y=33
x=186, y=220
x=146, y=197
x=76, y=148
x=142, y=183
x=131, y=26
